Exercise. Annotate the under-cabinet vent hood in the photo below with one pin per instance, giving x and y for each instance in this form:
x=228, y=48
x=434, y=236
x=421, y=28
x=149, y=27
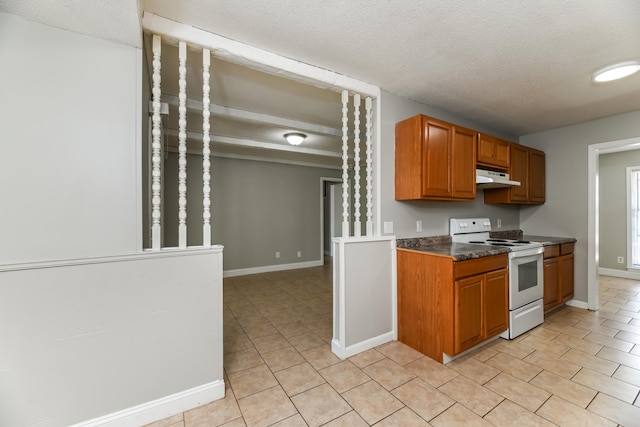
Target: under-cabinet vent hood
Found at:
x=493, y=179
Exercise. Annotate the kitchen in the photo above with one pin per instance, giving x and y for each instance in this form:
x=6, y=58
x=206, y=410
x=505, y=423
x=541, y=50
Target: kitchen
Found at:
x=564, y=213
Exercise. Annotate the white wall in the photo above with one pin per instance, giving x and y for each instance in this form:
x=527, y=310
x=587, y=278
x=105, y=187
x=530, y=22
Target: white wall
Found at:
x=108, y=332
x=565, y=212
x=69, y=114
x=434, y=215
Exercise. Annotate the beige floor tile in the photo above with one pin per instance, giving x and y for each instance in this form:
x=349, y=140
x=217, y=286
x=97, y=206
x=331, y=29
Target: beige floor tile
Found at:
x=299, y=378
x=552, y=364
x=586, y=360
x=535, y=343
x=608, y=341
x=240, y=360
x=238, y=422
x=176, y=420
x=508, y=413
x=613, y=387
x=482, y=353
x=306, y=341
x=431, y=371
x=518, y=349
x=282, y=358
x=344, y=376
x=578, y=343
x=293, y=421
x=403, y=418
x=568, y=390
x=372, y=401
x=320, y=405
x=622, y=326
x=458, y=415
x=621, y=357
x=215, y=413
x=592, y=325
x=252, y=380
x=399, y=352
x=615, y=410
x=473, y=369
x=388, y=373
x=366, y=358
x=628, y=375
x=628, y=336
x=320, y=357
x=516, y=367
x=423, y=399
x=235, y=343
x=471, y=394
x=350, y=419
x=266, y=408
x=563, y=413
x=270, y=342
x=293, y=329
x=520, y=392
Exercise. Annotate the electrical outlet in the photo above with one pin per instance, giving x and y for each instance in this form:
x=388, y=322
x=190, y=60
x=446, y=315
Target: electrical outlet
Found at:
x=277, y=254
x=388, y=227
x=299, y=254
x=499, y=223
x=620, y=260
x=418, y=225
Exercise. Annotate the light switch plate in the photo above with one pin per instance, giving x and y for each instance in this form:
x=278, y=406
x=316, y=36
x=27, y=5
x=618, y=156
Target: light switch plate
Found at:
x=388, y=227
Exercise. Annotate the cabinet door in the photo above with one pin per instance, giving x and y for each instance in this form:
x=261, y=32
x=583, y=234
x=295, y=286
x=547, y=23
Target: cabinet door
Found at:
x=436, y=172
x=566, y=277
x=496, y=303
x=467, y=312
x=463, y=163
x=551, y=286
x=520, y=172
x=493, y=152
x=536, y=176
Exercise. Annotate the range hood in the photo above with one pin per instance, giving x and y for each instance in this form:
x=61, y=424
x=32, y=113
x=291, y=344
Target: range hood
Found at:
x=493, y=179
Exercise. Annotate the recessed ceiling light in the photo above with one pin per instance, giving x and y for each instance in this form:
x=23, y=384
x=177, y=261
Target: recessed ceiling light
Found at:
x=616, y=72
x=295, y=138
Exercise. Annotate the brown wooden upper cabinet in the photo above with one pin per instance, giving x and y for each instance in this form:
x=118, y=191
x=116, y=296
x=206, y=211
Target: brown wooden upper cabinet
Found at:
x=493, y=152
x=527, y=167
x=434, y=160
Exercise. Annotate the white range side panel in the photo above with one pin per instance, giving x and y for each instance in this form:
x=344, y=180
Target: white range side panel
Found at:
x=96, y=338
x=365, y=296
x=69, y=114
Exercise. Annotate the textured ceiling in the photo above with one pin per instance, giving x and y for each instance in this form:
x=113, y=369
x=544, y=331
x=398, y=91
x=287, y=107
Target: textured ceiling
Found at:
x=516, y=66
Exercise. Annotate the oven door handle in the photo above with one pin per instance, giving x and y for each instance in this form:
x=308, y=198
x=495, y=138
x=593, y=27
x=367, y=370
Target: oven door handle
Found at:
x=526, y=252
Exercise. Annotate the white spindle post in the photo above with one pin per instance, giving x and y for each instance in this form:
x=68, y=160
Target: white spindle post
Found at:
x=206, y=152
x=369, y=168
x=345, y=165
x=156, y=147
x=182, y=146
x=357, y=227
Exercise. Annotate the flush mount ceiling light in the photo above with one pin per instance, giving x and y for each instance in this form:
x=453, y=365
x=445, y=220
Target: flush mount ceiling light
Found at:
x=616, y=71
x=295, y=138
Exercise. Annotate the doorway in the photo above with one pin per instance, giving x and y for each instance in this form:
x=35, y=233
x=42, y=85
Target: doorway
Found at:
x=595, y=150
x=331, y=214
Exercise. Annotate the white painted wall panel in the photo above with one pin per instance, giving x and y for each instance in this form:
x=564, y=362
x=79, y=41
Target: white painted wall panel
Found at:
x=83, y=341
x=69, y=111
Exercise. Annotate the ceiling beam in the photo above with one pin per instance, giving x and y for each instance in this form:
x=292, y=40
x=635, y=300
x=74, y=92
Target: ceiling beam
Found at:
x=235, y=113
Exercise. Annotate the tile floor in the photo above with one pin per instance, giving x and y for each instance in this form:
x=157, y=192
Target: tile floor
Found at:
x=579, y=368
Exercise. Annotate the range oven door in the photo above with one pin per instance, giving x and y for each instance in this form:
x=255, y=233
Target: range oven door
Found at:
x=526, y=281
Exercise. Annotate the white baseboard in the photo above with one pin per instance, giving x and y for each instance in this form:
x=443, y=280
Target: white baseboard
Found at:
x=577, y=304
x=158, y=409
x=270, y=268
x=345, y=352
x=619, y=273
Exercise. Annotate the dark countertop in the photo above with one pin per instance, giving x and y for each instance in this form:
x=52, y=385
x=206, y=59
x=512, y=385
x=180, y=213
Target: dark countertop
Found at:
x=547, y=240
x=442, y=245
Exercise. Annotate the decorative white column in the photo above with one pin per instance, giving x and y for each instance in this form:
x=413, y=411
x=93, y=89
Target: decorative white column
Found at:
x=156, y=147
x=182, y=146
x=357, y=226
x=369, y=168
x=206, y=151
x=345, y=165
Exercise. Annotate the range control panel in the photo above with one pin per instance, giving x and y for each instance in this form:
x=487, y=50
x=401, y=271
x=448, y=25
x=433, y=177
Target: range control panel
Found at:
x=469, y=225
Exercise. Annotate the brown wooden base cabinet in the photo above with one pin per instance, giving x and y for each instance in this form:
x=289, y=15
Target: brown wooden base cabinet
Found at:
x=447, y=306
x=558, y=274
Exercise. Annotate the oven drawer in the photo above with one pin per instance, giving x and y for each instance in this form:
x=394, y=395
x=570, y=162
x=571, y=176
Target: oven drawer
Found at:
x=525, y=318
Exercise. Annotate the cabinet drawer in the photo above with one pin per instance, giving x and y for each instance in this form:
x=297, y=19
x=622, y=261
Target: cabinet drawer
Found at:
x=566, y=248
x=551, y=251
x=479, y=265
